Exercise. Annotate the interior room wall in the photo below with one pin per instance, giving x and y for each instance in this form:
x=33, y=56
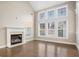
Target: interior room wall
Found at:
x=77, y=24
x=14, y=14
x=72, y=22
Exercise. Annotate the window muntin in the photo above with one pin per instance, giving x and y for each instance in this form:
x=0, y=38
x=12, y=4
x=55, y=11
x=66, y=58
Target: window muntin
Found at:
x=54, y=15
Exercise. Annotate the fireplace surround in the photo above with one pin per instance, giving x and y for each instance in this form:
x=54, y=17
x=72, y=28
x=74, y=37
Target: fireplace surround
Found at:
x=15, y=36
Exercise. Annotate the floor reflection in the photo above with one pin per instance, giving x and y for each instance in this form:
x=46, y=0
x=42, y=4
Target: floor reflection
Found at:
x=40, y=49
x=46, y=49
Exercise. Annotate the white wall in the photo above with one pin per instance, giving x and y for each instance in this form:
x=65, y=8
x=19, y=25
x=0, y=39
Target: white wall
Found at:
x=14, y=14
x=77, y=24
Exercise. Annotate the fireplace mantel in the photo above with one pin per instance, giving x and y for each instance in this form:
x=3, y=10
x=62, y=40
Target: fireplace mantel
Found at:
x=14, y=30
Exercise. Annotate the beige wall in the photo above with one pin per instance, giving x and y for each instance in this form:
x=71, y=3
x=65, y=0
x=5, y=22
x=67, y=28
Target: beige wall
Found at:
x=71, y=26
x=16, y=14
x=72, y=22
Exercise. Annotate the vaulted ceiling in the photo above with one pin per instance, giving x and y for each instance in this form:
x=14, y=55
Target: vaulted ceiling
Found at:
x=39, y=5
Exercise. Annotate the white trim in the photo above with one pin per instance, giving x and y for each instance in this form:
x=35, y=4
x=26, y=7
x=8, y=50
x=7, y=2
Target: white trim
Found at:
x=77, y=25
x=3, y=46
x=77, y=46
x=70, y=43
x=62, y=18
x=31, y=39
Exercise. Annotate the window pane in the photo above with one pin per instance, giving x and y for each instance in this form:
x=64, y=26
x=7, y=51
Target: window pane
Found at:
x=50, y=32
x=42, y=26
x=42, y=32
x=50, y=13
x=60, y=33
x=51, y=25
x=62, y=29
x=42, y=15
x=62, y=12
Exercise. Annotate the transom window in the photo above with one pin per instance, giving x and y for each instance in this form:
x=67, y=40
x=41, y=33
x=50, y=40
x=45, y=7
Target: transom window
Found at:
x=62, y=12
x=42, y=15
x=50, y=13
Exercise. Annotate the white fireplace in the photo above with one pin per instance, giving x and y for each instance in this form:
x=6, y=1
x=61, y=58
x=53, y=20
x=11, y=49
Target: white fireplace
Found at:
x=15, y=36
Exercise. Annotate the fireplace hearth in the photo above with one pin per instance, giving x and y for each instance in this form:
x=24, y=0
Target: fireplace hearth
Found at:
x=16, y=38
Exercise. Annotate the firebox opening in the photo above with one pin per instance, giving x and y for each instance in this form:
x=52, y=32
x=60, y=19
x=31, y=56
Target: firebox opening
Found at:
x=16, y=38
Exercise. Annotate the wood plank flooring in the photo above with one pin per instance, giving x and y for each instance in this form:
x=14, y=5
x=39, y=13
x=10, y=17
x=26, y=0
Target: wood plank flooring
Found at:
x=40, y=49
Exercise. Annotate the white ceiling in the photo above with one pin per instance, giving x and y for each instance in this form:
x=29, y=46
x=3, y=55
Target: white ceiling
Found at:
x=39, y=5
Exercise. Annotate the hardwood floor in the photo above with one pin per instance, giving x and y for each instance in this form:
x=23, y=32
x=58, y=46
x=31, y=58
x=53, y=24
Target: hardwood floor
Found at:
x=40, y=49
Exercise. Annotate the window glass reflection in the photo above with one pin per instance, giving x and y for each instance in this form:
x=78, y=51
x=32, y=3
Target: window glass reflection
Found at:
x=62, y=12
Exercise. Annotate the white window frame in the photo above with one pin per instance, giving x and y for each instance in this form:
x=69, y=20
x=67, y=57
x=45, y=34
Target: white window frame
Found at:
x=56, y=19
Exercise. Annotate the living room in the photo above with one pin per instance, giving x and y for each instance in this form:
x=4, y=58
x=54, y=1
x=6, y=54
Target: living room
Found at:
x=39, y=28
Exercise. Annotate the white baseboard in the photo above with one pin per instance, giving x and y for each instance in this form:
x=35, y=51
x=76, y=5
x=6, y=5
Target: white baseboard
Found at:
x=77, y=46
x=3, y=46
x=58, y=42
x=31, y=39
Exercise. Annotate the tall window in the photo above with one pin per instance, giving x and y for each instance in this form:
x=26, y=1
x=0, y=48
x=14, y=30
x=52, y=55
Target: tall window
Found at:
x=53, y=22
x=51, y=27
x=42, y=28
x=62, y=29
